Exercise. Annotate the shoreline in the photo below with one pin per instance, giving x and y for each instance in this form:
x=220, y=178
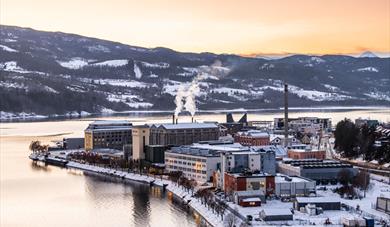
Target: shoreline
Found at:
x=206, y=214
x=27, y=117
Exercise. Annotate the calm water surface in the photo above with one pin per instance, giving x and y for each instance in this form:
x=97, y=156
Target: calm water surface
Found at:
x=37, y=195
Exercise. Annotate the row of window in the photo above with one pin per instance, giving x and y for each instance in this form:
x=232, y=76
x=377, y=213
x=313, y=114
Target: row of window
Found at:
x=176, y=168
x=177, y=156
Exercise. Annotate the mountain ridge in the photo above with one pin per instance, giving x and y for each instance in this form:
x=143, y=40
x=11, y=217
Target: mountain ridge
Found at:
x=57, y=73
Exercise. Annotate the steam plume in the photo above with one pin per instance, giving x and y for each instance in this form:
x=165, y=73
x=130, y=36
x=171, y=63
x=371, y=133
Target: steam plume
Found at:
x=185, y=96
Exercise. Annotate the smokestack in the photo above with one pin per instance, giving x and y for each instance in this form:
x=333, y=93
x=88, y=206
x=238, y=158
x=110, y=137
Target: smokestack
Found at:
x=285, y=115
x=192, y=119
x=176, y=120
x=173, y=118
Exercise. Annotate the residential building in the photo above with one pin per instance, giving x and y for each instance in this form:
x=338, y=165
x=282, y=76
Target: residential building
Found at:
x=108, y=134
x=252, y=138
x=322, y=171
x=278, y=140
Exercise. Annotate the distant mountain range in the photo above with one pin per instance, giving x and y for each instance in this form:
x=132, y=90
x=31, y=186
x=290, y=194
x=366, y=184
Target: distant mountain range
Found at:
x=59, y=73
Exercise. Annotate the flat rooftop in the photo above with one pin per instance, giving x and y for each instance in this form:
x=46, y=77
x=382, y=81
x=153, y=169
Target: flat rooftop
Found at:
x=110, y=122
x=186, y=125
x=294, y=179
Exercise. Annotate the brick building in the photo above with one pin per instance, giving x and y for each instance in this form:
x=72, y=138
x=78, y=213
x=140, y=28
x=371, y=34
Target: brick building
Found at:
x=306, y=154
x=252, y=138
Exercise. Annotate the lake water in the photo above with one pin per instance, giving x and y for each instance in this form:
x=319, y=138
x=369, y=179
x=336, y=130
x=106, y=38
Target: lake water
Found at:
x=38, y=195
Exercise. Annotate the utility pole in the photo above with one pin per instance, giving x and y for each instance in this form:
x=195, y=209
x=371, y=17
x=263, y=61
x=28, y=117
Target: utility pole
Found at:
x=285, y=115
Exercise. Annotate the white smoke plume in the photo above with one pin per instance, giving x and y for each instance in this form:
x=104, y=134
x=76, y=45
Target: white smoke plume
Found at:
x=185, y=96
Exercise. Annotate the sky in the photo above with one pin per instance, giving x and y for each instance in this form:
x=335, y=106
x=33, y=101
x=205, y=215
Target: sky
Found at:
x=246, y=27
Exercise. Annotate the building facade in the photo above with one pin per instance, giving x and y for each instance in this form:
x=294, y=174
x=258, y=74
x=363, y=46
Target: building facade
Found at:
x=107, y=134
x=195, y=163
x=306, y=154
x=183, y=133
x=252, y=138
x=322, y=171
x=291, y=186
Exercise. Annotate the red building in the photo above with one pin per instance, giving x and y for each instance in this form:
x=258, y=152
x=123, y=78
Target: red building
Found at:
x=252, y=138
x=306, y=154
x=234, y=182
x=249, y=189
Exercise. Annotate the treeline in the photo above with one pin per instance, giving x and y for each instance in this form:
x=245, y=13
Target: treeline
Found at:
x=352, y=141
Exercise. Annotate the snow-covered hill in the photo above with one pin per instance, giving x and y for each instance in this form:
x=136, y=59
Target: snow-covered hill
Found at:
x=58, y=73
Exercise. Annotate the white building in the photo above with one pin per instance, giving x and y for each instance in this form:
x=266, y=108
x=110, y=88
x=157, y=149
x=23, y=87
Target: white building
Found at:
x=286, y=186
x=195, y=163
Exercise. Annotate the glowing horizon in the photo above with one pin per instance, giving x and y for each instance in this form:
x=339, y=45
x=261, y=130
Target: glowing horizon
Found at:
x=247, y=27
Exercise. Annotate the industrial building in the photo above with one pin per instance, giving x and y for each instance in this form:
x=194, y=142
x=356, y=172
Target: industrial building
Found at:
x=183, y=133
x=326, y=203
x=301, y=123
x=280, y=214
x=383, y=204
x=195, y=163
x=237, y=183
x=322, y=171
x=108, y=134
x=307, y=153
x=292, y=186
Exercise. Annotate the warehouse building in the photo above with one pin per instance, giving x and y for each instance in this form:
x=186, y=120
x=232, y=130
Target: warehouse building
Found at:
x=108, y=134
x=290, y=186
x=322, y=171
x=326, y=203
x=280, y=214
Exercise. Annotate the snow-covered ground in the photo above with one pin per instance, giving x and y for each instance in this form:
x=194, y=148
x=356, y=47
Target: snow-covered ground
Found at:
x=8, y=49
x=112, y=63
x=74, y=63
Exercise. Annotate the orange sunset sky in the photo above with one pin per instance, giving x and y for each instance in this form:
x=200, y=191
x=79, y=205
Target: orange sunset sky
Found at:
x=230, y=26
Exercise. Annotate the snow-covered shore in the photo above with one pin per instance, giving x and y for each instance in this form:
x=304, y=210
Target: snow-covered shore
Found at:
x=208, y=215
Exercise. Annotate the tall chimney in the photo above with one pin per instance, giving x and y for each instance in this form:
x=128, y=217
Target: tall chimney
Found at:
x=173, y=118
x=192, y=119
x=285, y=115
x=176, y=120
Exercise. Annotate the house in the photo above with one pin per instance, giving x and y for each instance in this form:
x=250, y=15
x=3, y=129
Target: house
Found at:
x=249, y=198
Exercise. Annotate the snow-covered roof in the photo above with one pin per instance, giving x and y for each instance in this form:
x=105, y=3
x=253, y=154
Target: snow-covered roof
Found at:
x=317, y=200
x=254, y=133
x=255, y=199
x=110, y=122
x=282, y=179
x=221, y=147
x=276, y=211
x=187, y=125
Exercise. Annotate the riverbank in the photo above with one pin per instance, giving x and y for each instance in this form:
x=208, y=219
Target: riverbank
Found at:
x=210, y=217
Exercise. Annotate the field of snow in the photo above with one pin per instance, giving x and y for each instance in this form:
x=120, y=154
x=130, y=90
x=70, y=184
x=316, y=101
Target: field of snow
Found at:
x=12, y=66
x=378, y=96
x=112, y=63
x=125, y=83
x=74, y=63
x=159, y=65
x=367, y=69
x=8, y=49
